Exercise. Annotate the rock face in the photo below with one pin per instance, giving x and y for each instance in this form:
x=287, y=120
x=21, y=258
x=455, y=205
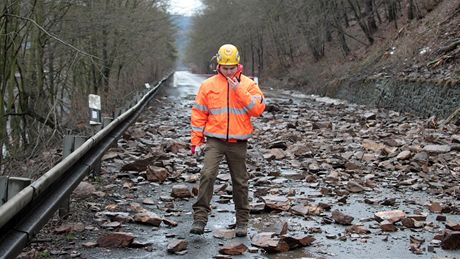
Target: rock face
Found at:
x=424, y=99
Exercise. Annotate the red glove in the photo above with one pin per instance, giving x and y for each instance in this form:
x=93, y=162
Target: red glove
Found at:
x=193, y=149
x=197, y=150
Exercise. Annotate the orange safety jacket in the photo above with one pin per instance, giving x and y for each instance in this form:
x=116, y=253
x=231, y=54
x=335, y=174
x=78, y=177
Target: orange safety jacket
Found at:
x=222, y=112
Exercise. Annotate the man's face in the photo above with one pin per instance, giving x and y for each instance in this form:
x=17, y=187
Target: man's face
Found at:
x=228, y=71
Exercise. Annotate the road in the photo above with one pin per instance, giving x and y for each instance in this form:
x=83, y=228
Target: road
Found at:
x=324, y=153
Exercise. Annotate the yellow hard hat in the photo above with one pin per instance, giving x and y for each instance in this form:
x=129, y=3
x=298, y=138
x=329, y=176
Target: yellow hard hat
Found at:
x=228, y=55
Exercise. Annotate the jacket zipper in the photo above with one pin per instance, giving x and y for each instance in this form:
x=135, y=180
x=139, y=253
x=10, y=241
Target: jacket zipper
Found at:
x=228, y=108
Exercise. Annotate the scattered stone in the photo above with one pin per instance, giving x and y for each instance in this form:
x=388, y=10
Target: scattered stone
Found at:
x=169, y=222
x=84, y=190
x=69, y=228
x=436, y=149
x=391, y=216
x=111, y=225
x=270, y=243
x=341, y=218
x=404, y=155
x=357, y=229
x=281, y=228
x=115, y=239
x=355, y=187
x=180, y=191
x=387, y=226
x=453, y=225
x=148, y=218
x=233, y=249
x=224, y=233
x=156, y=174
x=148, y=201
x=177, y=245
x=276, y=202
x=299, y=209
x=89, y=244
x=297, y=241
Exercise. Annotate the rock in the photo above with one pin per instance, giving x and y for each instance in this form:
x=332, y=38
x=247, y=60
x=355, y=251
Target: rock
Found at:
x=156, y=174
x=391, y=216
x=109, y=155
x=89, y=244
x=141, y=244
x=453, y=225
x=69, y=228
x=341, y=218
x=148, y=218
x=372, y=145
x=268, y=242
x=169, y=222
x=421, y=157
x=299, y=209
x=84, y=190
x=180, y=191
x=322, y=125
x=111, y=225
x=436, y=149
x=451, y=240
x=387, y=226
x=354, y=187
x=224, y=233
x=404, y=155
x=369, y=116
x=456, y=138
x=257, y=207
x=177, y=245
x=116, y=239
x=148, y=201
x=233, y=249
x=357, y=229
x=411, y=223
x=138, y=165
x=276, y=202
x=441, y=218
x=136, y=207
x=435, y=207
x=277, y=153
x=297, y=240
x=281, y=228
x=279, y=144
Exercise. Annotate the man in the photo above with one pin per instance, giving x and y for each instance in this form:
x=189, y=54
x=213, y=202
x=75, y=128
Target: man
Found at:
x=221, y=114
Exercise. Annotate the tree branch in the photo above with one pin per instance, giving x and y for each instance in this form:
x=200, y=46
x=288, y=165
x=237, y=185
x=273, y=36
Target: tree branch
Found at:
x=53, y=36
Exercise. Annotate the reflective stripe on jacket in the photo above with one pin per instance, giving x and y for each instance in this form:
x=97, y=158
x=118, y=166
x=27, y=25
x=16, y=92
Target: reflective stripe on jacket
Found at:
x=223, y=112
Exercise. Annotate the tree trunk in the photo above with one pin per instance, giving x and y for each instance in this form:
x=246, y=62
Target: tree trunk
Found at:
x=357, y=13
x=369, y=13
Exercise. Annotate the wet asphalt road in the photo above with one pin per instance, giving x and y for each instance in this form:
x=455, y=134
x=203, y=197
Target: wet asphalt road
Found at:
x=182, y=91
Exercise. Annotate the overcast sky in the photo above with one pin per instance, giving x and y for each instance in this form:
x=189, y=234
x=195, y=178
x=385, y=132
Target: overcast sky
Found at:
x=184, y=7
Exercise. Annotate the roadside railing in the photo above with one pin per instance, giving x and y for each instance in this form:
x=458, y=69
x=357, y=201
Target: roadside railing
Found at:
x=24, y=214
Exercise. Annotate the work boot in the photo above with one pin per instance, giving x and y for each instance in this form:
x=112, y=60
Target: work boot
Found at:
x=198, y=228
x=241, y=230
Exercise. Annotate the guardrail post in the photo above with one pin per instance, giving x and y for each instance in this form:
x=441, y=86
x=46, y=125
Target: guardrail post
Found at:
x=3, y=189
x=71, y=142
x=10, y=186
x=16, y=184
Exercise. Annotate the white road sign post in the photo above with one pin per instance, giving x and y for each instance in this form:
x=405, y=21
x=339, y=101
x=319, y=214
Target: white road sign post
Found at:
x=94, y=109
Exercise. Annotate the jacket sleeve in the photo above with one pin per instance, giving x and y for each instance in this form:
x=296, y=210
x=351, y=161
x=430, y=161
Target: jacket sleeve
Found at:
x=199, y=118
x=252, y=99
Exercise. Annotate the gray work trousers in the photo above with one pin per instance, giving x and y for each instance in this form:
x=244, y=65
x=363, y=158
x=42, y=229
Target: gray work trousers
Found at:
x=235, y=155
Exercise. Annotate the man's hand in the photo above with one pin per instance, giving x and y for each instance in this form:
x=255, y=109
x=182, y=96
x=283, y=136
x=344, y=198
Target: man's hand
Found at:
x=197, y=150
x=233, y=82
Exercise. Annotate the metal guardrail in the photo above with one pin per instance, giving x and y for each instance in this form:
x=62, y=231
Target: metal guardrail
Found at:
x=25, y=214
